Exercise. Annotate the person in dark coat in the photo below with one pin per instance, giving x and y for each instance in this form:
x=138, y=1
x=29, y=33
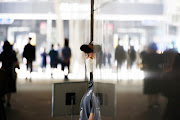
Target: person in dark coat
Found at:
x=29, y=54
x=53, y=59
x=171, y=90
x=3, y=91
x=132, y=56
x=9, y=63
x=66, y=55
x=152, y=63
x=120, y=56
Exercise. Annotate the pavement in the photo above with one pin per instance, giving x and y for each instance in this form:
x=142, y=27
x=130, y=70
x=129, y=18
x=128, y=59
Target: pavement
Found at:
x=33, y=101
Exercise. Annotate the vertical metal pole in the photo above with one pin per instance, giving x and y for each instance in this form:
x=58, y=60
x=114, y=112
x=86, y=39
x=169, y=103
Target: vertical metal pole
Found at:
x=92, y=20
x=92, y=31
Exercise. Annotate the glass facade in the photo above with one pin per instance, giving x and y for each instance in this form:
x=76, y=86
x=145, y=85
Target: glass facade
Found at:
x=122, y=62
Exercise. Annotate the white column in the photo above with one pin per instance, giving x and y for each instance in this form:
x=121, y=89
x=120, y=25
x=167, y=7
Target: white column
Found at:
x=48, y=34
x=59, y=23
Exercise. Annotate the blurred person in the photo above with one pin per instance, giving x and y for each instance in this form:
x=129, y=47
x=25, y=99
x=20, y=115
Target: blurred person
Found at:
x=9, y=63
x=109, y=56
x=3, y=91
x=120, y=56
x=29, y=54
x=66, y=56
x=89, y=106
x=104, y=57
x=132, y=56
x=168, y=56
x=152, y=66
x=99, y=59
x=43, y=59
x=53, y=58
x=171, y=90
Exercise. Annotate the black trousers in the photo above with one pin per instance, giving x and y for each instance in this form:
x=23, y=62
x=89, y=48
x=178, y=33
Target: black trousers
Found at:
x=63, y=64
x=29, y=65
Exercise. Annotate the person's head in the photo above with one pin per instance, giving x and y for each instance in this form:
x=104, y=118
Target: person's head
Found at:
x=66, y=42
x=90, y=55
x=44, y=50
x=88, y=50
x=152, y=47
x=7, y=46
x=30, y=39
x=52, y=46
x=58, y=45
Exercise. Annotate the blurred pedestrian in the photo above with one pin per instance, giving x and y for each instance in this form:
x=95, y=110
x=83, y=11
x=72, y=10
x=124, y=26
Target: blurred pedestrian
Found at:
x=99, y=59
x=53, y=59
x=120, y=56
x=66, y=56
x=171, y=90
x=132, y=56
x=152, y=66
x=9, y=63
x=3, y=91
x=109, y=56
x=29, y=54
x=43, y=59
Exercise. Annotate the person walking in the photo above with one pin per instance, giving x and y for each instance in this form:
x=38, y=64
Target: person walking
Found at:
x=9, y=63
x=53, y=59
x=132, y=56
x=66, y=56
x=29, y=54
x=43, y=59
x=152, y=66
x=171, y=89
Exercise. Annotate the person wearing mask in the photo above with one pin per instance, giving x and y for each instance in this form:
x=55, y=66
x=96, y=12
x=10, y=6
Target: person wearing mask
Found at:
x=89, y=107
x=66, y=56
x=29, y=54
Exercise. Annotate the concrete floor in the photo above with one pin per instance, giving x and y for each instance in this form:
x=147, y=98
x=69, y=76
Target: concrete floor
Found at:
x=33, y=102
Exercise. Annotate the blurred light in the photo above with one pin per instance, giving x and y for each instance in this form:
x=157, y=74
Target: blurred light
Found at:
x=6, y=21
x=129, y=17
x=115, y=40
x=110, y=26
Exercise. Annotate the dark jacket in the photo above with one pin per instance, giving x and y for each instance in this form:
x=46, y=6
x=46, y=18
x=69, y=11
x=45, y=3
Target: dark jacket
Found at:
x=29, y=52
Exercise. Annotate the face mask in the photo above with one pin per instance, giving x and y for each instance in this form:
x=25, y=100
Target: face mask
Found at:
x=89, y=65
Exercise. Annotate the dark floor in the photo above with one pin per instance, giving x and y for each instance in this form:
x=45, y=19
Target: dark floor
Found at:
x=33, y=102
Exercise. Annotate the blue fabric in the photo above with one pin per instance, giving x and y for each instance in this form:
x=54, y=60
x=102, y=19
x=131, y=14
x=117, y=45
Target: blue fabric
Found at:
x=89, y=104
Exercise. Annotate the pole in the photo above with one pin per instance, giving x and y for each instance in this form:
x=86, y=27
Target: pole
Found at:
x=92, y=20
